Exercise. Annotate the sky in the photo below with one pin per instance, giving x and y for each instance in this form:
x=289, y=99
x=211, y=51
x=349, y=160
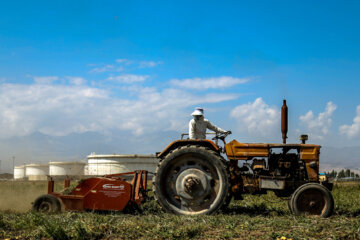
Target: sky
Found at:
x=139, y=68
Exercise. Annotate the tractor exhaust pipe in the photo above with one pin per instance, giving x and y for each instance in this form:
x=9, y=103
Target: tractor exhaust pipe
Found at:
x=284, y=121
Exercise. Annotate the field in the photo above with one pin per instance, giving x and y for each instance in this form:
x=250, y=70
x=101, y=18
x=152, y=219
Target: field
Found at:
x=264, y=217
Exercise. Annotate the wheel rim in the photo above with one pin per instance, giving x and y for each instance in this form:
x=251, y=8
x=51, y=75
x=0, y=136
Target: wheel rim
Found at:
x=45, y=207
x=192, y=184
x=312, y=201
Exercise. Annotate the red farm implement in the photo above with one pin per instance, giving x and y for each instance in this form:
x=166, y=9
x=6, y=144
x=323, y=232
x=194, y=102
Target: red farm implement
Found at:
x=107, y=193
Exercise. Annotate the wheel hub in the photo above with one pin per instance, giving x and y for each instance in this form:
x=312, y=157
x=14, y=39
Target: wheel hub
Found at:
x=44, y=207
x=192, y=184
x=312, y=204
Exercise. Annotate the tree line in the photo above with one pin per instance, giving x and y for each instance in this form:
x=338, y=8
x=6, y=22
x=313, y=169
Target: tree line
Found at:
x=342, y=174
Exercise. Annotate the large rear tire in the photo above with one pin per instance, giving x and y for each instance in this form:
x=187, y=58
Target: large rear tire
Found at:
x=312, y=199
x=192, y=180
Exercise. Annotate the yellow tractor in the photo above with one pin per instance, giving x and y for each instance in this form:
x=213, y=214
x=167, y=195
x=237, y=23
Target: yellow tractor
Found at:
x=194, y=178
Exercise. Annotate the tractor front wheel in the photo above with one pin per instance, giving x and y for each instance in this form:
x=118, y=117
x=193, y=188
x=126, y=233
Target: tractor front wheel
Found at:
x=290, y=205
x=192, y=180
x=312, y=199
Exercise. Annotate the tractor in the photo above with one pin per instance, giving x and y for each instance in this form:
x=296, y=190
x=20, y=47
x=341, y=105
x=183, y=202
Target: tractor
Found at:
x=193, y=177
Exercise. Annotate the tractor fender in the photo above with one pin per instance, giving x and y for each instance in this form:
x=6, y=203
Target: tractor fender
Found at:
x=178, y=143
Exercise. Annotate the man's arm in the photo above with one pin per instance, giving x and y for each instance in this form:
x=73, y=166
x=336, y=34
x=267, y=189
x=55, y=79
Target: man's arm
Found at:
x=192, y=129
x=214, y=128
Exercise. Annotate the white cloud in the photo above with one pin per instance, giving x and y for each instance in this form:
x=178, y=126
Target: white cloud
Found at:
x=107, y=68
x=208, y=83
x=76, y=80
x=46, y=108
x=257, y=118
x=352, y=130
x=140, y=64
x=149, y=64
x=128, y=78
x=59, y=110
x=124, y=61
x=319, y=126
x=45, y=79
x=121, y=65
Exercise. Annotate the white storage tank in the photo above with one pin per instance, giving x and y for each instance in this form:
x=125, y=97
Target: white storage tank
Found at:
x=66, y=168
x=19, y=172
x=86, y=170
x=119, y=163
x=35, y=172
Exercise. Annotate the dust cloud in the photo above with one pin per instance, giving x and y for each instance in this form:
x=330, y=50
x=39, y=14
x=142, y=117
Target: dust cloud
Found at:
x=18, y=196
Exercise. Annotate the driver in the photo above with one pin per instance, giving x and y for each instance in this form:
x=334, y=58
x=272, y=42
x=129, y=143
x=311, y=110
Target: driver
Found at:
x=198, y=125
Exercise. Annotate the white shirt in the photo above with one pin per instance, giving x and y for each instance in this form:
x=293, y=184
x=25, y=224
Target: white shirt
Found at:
x=197, y=128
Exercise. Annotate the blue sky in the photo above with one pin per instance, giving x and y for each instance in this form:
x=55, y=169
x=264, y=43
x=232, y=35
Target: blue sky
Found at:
x=140, y=67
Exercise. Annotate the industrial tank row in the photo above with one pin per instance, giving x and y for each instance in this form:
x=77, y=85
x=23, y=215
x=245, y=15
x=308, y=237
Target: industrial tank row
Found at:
x=34, y=172
x=96, y=165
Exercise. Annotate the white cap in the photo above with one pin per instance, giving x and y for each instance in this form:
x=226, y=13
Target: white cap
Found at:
x=198, y=112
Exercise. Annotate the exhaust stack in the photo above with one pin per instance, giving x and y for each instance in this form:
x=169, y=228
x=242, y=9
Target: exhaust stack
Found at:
x=284, y=121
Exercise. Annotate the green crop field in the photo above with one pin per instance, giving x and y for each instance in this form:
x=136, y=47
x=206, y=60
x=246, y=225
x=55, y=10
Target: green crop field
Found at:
x=255, y=217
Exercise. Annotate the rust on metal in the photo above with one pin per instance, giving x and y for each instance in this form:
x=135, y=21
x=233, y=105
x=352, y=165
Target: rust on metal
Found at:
x=67, y=182
x=284, y=121
x=50, y=185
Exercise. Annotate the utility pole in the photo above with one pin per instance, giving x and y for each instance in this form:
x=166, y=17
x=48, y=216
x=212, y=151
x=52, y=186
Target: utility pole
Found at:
x=0, y=167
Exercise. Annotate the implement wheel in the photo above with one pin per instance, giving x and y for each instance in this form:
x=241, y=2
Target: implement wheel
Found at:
x=312, y=199
x=192, y=180
x=47, y=204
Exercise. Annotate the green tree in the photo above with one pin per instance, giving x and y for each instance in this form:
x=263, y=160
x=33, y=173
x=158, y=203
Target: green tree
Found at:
x=333, y=173
x=341, y=174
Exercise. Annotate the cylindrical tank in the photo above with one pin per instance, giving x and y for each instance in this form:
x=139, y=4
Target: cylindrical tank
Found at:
x=86, y=170
x=19, y=172
x=66, y=168
x=119, y=163
x=35, y=172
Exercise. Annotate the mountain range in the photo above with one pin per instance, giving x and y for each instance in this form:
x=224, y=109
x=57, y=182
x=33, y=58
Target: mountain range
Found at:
x=41, y=148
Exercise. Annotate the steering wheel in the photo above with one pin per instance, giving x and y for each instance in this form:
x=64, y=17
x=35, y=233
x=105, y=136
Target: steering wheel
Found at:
x=222, y=136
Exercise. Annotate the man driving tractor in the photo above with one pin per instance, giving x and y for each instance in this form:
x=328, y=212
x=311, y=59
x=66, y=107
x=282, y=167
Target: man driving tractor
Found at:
x=198, y=125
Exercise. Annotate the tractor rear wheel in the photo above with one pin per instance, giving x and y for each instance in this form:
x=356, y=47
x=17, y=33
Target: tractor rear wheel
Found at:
x=312, y=199
x=192, y=180
x=47, y=204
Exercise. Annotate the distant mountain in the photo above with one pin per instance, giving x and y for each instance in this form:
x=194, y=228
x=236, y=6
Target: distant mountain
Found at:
x=41, y=148
x=345, y=157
